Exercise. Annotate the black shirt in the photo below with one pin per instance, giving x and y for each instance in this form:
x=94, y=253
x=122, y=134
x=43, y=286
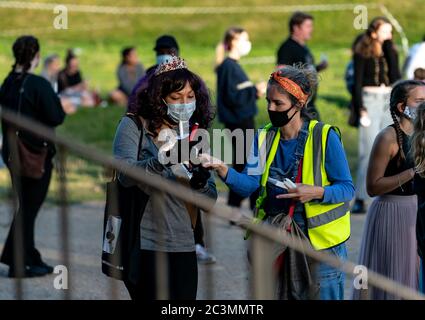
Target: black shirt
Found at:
x=39, y=102
x=65, y=80
x=374, y=71
x=394, y=167
x=291, y=52
x=236, y=95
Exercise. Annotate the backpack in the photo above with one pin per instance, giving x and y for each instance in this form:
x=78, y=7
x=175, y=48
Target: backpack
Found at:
x=349, y=77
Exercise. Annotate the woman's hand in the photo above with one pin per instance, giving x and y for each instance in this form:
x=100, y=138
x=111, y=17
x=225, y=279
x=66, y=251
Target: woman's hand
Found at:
x=303, y=193
x=210, y=162
x=261, y=88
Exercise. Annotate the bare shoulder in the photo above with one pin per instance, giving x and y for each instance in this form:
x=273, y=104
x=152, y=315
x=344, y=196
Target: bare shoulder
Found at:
x=386, y=141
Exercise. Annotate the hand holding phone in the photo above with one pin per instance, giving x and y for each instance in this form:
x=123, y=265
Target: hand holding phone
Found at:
x=285, y=184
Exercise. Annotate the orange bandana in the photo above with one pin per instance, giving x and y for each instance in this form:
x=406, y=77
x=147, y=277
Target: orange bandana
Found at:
x=290, y=86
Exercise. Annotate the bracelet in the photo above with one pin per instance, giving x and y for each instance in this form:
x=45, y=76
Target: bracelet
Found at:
x=399, y=183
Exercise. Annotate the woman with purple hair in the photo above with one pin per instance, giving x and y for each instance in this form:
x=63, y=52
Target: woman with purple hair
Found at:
x=167, y=97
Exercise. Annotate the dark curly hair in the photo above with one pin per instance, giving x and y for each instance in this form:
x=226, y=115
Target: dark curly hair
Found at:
x=154, y=89
x=24, y=50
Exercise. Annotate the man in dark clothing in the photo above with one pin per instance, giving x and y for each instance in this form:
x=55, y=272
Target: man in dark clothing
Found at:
x=295, y=51
x=166, y=46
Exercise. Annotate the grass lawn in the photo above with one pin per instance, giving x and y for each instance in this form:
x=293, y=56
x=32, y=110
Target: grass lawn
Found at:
x=197, y=36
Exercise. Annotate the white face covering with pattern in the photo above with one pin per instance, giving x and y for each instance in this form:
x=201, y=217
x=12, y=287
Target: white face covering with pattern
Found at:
x=410, y=113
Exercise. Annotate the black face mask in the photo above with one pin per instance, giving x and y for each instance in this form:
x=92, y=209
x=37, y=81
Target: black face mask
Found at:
x=280, y=118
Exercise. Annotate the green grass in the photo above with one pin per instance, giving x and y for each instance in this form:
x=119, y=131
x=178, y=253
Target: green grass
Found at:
x=197, y=36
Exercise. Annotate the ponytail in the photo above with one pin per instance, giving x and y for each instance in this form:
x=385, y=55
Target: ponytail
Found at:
x=220, y=53
x=24, y=50
x=226, y=45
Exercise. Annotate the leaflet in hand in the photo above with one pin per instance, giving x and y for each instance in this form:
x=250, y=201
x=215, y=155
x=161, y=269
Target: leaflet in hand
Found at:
x=285, y=184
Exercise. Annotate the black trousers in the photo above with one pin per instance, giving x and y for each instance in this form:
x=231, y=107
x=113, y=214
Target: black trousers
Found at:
x=198, y=232
x=182, y=276
x=235, y=199
x=31, y=195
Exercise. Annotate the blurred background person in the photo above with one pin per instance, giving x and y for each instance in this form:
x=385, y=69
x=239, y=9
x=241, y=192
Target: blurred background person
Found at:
x=419, y=74
x=166, y=47
x=128, y=73
x=354, y=118
x=50, y=72
x=71, y=84
x=236, y=96
x=375, y=70
x=415, y=59
x=295, y=51
x=25, y=93
x=51, y=68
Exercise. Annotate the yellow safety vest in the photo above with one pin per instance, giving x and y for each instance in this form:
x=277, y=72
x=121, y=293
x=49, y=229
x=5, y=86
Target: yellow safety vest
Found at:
x=328, y=225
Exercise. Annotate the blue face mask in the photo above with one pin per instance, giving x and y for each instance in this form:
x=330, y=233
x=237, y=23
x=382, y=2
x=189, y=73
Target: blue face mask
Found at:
x=163, y=58
x=181, y=111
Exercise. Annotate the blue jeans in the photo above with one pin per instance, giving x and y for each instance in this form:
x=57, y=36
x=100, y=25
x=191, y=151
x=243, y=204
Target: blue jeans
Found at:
x=331, y=280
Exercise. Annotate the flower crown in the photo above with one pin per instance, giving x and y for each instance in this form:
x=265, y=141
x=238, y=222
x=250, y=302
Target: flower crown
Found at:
x=170, y=65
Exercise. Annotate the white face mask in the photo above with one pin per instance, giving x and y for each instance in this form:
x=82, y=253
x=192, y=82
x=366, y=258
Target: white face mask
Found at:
x=410, y=113
x=244, y=47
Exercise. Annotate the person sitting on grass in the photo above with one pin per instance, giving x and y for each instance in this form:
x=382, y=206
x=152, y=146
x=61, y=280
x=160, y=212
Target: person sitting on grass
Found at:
x=50, y=72
x=72, y=85
x=129, y=72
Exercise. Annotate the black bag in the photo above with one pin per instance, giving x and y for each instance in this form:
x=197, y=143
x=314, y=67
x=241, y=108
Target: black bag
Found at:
x=121, y=229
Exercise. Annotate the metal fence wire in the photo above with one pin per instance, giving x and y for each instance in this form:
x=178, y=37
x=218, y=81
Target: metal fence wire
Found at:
x=264, y=236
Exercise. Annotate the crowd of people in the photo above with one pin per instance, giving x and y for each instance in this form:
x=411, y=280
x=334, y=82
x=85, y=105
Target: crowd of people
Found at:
x=316, y=203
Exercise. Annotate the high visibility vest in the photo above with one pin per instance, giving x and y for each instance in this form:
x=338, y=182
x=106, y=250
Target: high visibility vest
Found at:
x=328, y=225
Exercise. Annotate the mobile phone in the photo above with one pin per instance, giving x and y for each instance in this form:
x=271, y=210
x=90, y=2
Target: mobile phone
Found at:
x=277, y=183
x=289, y=183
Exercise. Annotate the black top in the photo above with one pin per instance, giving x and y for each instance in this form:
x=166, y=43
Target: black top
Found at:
x=419, y=188
x=291, y=52
x=236, y=95
x=374, y=71
x=65, y=80
x=39, y=102
x=393, y=168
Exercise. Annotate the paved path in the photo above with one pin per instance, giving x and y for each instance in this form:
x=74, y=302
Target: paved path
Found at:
x=229, y=275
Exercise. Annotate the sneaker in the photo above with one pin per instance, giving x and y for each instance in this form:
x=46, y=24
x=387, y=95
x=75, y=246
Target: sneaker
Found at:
x=358, y=207
x=45, y=266
x=29, y=272
x=203, y=256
